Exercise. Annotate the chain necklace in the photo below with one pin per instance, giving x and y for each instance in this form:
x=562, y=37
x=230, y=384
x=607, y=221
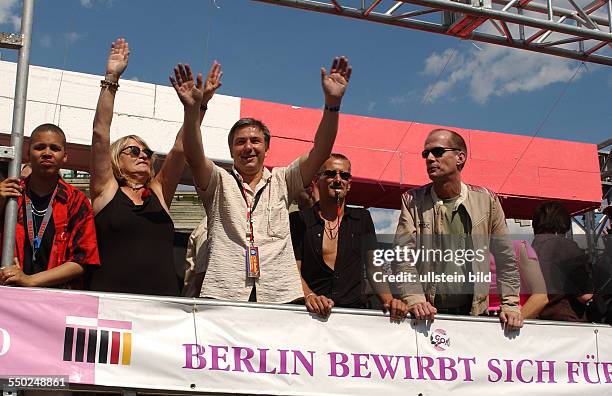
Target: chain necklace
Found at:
x=37, y=212
x=135, y=187
x=333, y=225
x=329, y=230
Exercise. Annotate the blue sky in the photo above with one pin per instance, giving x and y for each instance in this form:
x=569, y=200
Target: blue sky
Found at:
x=274, y=53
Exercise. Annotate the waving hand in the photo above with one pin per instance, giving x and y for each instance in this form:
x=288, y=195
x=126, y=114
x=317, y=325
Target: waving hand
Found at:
x=335, y=83
x=189, y=91
x=117, y=58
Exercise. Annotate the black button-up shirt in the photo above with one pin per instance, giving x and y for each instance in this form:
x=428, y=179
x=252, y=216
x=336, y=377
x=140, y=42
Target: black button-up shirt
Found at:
x=343, y=284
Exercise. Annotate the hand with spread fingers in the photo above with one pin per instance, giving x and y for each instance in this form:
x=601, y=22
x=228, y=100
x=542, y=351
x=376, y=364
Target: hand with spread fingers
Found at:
x=189, y=91
x=320, y=305
x=397, y=309
x=212, y=82
x=335, y=83
x=117, y=59
x=423, y=310
x=512, y=320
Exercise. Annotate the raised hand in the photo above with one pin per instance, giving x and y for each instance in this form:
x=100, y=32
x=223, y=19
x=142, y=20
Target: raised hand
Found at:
x=212, y=82
x=117, y=58
x=335, y=83
x=190, y=92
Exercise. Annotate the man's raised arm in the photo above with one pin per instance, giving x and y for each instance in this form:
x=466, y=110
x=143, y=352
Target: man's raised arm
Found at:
x=195, y=94
x=334, y=85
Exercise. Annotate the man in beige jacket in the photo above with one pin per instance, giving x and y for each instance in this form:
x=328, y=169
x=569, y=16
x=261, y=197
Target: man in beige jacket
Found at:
x=447, y=227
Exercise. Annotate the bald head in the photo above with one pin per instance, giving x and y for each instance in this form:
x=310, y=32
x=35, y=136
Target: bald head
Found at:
x=450, y=139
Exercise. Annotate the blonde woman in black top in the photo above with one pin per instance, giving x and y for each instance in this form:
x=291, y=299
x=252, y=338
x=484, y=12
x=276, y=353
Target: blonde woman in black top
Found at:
x=131, y=202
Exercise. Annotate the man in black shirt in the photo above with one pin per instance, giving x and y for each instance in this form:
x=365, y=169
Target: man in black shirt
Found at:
x=333, y=244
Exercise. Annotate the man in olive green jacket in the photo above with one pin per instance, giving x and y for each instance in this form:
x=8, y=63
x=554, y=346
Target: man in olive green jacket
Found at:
x=449, y=213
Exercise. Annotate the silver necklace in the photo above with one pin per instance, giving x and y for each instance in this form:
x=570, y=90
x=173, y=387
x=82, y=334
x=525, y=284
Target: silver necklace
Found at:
x=38, y=212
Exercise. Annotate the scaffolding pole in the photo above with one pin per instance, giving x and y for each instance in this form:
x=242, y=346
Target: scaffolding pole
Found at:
x=538, y=31
x=594, y=223
x=19, y=108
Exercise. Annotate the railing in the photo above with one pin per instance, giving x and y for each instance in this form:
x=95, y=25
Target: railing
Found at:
x=144, y=344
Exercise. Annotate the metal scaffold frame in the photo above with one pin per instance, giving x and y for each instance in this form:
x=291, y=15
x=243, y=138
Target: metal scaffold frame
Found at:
x=592, y=224
x=523, y=24
x=22, y=43
x=580, y=33
x=605, y=164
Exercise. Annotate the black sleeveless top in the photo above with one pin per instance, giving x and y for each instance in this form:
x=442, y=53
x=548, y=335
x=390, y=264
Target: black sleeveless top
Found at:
x=136, y=248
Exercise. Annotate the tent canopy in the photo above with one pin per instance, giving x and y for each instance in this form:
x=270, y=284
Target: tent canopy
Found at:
x=386, y=161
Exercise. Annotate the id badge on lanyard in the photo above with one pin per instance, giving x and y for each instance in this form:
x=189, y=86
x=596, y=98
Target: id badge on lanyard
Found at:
x=252, y=252
x=252, y=262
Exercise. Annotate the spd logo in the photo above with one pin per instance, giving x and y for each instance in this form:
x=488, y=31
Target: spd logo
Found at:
x=440, y=340
x=5, y=342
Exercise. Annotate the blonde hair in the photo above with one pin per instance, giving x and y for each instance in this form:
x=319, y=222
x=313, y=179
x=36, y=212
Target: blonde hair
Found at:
x=117, y=147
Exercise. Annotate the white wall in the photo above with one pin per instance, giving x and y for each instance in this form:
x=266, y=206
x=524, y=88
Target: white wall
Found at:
x=151, y=111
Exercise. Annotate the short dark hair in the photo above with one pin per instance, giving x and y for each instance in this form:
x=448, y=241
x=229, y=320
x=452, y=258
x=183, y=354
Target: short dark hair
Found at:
x=49, y=128
x=336, y=156
x=551, y=218
x=456, y=140
x=243, y=122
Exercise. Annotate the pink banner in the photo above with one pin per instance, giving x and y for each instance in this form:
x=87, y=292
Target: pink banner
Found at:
x=37, y=339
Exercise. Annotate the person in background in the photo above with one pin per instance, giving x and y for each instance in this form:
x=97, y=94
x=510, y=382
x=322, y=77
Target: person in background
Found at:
x=195, y=261
x=533, y=295
x=26, y=170
x=564, y=265
x=55, y=233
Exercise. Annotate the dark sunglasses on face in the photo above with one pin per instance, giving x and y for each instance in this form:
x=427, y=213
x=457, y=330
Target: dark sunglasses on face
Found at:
x=437, y=151
x=135, y=151
x=330, y=173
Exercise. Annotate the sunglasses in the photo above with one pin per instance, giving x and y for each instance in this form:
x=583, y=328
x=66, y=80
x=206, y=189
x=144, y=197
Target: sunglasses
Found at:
x=331, y=174
x=135, y=151
x=437, y=152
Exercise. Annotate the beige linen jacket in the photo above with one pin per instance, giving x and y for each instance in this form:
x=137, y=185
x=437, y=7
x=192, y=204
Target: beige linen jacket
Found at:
x=419, y=226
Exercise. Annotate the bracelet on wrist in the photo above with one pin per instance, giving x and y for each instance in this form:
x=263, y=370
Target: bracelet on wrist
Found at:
x=308, y=295
x=333, y=109
x=203, y=107
x=110, y=85
x=111, y=77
